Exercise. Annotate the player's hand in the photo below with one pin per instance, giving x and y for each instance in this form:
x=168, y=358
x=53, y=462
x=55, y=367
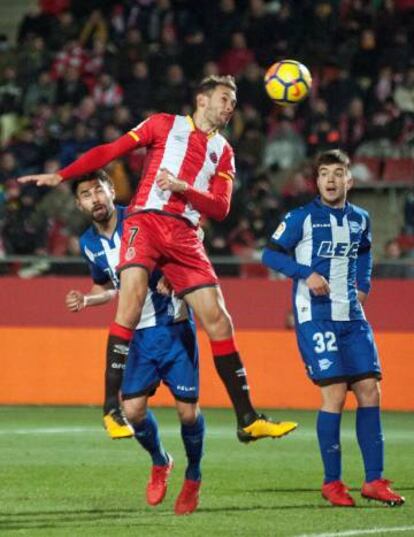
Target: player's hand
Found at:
x=317, y=284
x=75, y=301
x=42, y=179
x=164, y=287
x=167, y=181
x=362, y=297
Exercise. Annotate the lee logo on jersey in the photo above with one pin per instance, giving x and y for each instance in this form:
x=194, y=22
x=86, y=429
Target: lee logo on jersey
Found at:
x=338, y=249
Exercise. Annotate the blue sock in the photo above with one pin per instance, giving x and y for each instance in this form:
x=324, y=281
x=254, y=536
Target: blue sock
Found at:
x=146, y=432
x=371, y=441
x=328, y=430
x=193, y=438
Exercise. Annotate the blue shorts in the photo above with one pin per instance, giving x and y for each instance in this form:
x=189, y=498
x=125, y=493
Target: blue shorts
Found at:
x=338, y=351
x=163, y=353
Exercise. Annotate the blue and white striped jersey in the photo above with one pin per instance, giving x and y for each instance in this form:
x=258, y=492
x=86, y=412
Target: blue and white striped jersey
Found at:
x=335, y=243
x=102, y=255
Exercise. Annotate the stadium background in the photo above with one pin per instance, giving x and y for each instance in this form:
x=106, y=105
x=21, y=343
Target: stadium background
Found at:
x=74, y=74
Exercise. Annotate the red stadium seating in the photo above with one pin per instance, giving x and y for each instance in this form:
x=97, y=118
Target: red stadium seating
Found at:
x=399, y=170
x=373, y=164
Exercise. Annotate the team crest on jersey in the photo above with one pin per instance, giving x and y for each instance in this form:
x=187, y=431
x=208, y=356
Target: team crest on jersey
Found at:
x=355, y=227
x=279, y=230
x=130, y=253
x=213, y=157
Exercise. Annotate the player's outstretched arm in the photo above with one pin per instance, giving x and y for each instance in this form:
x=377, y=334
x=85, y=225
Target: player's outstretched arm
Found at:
x=42, y=179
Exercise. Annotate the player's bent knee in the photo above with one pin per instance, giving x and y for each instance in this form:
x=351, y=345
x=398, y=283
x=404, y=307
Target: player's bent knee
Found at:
x=134, y=410
x=187, y=412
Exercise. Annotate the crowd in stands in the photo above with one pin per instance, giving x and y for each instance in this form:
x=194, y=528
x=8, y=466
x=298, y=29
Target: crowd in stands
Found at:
x=83, y=73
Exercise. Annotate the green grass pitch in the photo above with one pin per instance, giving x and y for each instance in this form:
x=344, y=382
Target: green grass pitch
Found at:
x=61, y=476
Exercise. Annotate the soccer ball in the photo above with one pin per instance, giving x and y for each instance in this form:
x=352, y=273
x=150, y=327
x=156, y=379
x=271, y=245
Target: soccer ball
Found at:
x=287, y=82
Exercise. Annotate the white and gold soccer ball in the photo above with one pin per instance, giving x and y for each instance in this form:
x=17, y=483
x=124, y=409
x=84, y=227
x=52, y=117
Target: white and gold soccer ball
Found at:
x=287, y=82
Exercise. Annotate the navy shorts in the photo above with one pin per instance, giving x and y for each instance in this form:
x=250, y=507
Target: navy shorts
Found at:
x=338, y=351
x=163, y=353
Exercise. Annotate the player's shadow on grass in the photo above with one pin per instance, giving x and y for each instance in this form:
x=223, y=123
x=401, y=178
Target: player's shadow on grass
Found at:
x=80, y=518
x=296, y=490
x=313, y=506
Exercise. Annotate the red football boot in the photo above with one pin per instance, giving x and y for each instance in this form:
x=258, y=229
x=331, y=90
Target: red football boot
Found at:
x=157, y=485
x=336, y=493
x=381, y=491
x=187, y=500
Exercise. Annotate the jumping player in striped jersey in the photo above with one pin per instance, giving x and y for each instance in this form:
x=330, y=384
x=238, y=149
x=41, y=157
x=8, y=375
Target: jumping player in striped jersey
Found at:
x=325, y=247
x=188, y=172
x=164, y=348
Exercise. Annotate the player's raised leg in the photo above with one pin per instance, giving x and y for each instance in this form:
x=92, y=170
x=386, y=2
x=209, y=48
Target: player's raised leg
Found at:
x=132, y=293
x=371, y=443
x=146, y=433
x=208, y=304
x=192, y=434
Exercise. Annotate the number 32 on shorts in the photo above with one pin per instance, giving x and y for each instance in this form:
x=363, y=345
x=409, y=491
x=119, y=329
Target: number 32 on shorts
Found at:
x=325, y=341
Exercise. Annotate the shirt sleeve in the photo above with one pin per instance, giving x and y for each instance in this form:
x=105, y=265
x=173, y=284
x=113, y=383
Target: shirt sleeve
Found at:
x=101, y=155
x=278, y=255
x=364, y=259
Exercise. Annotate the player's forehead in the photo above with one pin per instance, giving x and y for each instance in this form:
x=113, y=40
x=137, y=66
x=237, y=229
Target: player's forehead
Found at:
x=90, y=184
x=336, y=168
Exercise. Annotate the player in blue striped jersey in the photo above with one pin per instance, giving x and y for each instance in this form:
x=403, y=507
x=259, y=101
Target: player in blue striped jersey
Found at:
x=325, y=247
x=164, y=348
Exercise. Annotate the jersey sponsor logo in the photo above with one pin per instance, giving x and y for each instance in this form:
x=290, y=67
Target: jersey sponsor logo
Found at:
x=355, y=227
x=331, y=249
x=183, y=388
x=279, y=231
x=324, y=364
x=130, y=253
x=119, y=348
x=321, y=225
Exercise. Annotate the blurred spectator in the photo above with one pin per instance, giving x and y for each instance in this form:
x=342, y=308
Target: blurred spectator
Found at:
x=70, y=88
x=172, y=94
x=352, y=126
x=286, y=146
x=107, y=93
x=27, y=152
x=138, y=92
x=94, y=29
x=130, y=52
x=65, y=28
x=40, y=91
x=236, y=58
x=78, y=143
x=35, y=22
x=297, y=191
x=227, y=21
x=404, y=92
x=392, y=264
x=32, y=58
x=11, y=92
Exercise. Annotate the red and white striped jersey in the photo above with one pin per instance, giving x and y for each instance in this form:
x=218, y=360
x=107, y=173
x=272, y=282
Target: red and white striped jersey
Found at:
x=174, y=143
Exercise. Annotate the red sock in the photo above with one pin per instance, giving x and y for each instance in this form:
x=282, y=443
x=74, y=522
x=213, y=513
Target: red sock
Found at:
x=123, y=332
